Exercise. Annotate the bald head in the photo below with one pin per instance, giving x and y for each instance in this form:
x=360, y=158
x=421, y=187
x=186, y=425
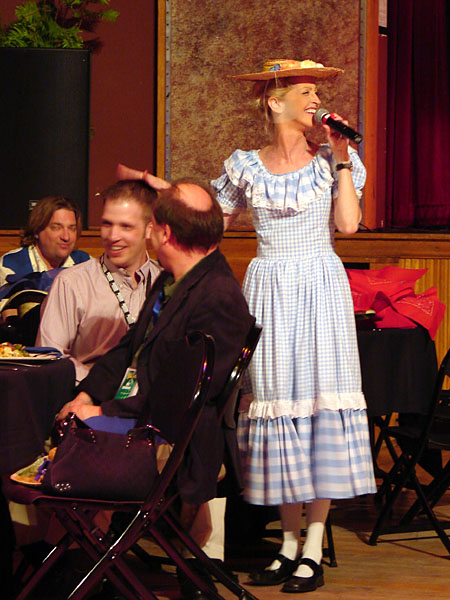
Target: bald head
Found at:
x=194, y=196
x=191, y=210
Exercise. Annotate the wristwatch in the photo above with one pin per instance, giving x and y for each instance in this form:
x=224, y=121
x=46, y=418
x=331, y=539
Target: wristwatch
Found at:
x=344, y=165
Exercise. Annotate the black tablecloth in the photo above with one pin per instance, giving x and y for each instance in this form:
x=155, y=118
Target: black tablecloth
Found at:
x=30, y=398
x=398, y=368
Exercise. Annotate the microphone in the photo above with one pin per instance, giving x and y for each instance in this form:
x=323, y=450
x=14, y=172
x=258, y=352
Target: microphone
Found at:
x=322, y=115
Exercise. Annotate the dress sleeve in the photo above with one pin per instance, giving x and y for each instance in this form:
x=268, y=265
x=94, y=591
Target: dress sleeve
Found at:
x=231, y=185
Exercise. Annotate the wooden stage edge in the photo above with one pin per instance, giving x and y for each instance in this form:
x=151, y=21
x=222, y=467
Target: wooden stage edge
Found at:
x=429, y=251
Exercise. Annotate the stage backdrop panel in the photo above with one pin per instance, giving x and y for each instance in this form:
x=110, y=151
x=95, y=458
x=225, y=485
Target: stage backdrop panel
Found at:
x=44, y=116
x=206, y=114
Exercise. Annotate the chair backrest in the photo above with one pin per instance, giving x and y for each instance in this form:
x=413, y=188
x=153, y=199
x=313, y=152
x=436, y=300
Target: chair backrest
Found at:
x=439, y=404
x=226, y=402
x=182, y=382
x=166, y=414
x=438, y=430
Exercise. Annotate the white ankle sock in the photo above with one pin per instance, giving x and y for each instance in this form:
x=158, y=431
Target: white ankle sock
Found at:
x=312, y=548
x=290, y=548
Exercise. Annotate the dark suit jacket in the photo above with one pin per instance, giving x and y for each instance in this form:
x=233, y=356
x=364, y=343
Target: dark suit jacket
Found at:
x=208, y=299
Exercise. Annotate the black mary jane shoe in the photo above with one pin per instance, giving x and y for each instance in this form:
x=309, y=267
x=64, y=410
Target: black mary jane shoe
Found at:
x=275, y=576
x=297, y=585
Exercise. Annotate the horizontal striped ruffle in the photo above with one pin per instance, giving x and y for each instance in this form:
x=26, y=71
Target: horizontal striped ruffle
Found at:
x=284, y=461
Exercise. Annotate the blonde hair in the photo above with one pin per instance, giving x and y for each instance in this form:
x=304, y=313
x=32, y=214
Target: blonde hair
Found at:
x=271, y=88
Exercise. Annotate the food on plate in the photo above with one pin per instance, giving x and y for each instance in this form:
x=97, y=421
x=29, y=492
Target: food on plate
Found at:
x=34, y=473
x=8, y=350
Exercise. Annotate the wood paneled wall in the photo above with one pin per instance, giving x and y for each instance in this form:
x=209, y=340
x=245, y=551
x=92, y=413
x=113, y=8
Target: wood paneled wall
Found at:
x=411, y=251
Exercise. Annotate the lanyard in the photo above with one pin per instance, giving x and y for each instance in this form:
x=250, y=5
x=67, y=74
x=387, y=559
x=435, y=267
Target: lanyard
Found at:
x=128, y=317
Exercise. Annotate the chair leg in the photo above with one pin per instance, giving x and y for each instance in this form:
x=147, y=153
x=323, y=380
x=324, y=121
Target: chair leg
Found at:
x=210, y=565
x=98, y=546
x=385, y=510
x=180, y=562
x=49, y=561
x=382, y=423
x=330, y=542
x=396, y=471
x=433, y=492
x=431, y=516
x=409, y=474
x=392, y=494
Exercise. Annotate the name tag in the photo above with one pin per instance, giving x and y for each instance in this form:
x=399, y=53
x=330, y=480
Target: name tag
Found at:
x=128, y=386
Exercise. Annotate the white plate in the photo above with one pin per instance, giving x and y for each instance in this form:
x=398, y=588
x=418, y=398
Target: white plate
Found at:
x=30, y=358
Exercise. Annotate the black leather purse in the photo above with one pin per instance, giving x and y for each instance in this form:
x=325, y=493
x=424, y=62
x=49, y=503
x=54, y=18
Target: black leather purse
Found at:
x=98, y=464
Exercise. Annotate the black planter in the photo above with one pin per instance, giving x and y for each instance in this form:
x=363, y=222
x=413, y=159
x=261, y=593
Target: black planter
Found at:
x=44, y=119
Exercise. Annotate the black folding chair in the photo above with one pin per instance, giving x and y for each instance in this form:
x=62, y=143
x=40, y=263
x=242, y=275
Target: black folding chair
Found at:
x=226, y=407
x=413, y=440
x=152, y=516
x=439, y=440
x=176, y=396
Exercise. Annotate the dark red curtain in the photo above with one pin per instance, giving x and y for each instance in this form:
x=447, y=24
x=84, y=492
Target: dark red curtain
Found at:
x=418, y=126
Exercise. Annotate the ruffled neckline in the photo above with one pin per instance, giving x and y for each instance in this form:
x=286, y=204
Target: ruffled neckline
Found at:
x=271, y=173
x=292, y=191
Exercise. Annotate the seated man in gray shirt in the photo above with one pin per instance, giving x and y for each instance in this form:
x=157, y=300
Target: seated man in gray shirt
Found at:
x=92, y=305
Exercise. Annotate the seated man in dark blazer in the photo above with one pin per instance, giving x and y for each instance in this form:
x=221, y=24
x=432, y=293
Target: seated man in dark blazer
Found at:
x=200, y=293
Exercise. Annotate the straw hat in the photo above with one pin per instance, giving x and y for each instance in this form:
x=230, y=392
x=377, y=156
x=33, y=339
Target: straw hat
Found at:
x=291, y=68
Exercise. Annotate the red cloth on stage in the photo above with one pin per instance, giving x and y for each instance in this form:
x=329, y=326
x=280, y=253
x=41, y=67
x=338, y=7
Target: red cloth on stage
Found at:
x=390, y=293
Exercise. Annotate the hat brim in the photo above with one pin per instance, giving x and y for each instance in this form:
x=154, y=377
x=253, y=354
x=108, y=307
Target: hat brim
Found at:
x=316, y=73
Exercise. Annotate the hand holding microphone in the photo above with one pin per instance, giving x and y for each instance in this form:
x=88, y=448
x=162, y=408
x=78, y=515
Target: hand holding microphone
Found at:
x=323, y=116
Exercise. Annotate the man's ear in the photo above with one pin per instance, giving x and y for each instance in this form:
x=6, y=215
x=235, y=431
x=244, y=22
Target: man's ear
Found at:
x=148, y=230
x=167, y=232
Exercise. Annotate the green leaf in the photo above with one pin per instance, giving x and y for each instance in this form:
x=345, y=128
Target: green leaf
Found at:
x=110, y=15
x=35, y=24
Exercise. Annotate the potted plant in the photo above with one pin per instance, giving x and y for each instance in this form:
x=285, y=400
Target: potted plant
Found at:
x=57, y=24
x=44, y=103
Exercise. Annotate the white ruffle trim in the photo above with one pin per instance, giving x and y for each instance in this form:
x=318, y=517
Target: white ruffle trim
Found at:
x=293, y=191
x=303, y=408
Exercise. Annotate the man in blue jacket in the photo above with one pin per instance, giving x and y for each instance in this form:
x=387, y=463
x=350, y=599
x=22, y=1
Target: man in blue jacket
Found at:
x=48, y=241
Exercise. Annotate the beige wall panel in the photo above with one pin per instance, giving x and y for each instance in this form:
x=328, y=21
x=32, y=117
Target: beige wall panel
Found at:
x=210, y=41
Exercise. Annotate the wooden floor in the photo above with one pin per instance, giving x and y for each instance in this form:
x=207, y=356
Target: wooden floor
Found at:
x=400, y=567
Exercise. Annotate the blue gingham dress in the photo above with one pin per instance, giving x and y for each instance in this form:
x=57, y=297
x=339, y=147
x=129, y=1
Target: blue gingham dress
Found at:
x=303, y=434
